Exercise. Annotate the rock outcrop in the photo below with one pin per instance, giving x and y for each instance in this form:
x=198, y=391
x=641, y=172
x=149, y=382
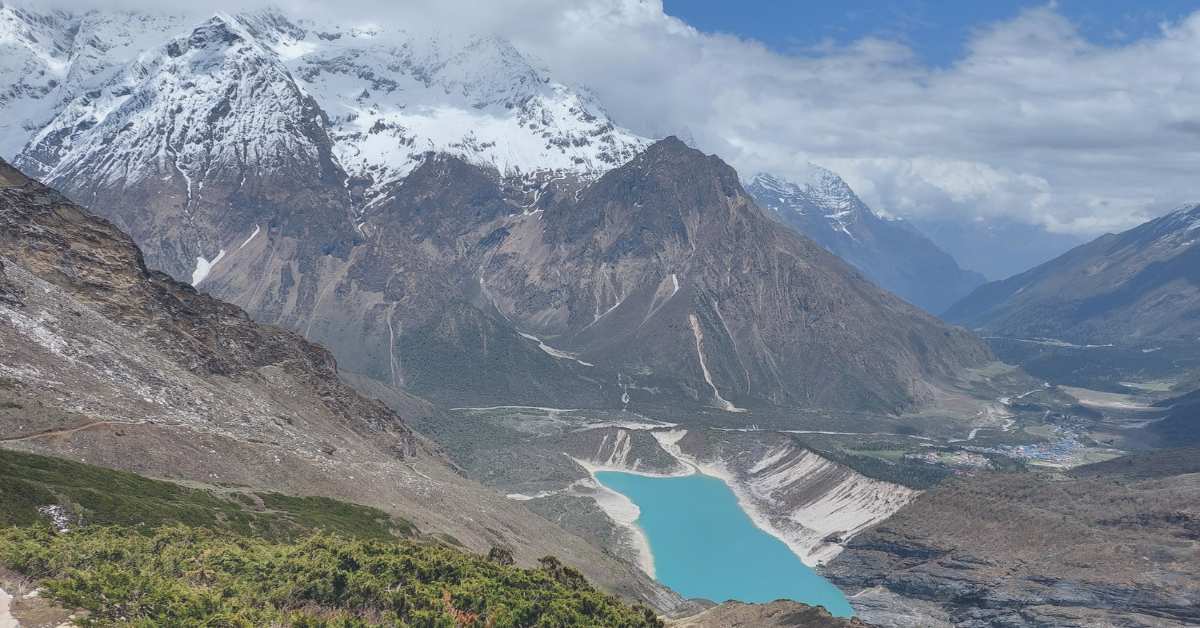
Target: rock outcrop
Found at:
x=777, y=614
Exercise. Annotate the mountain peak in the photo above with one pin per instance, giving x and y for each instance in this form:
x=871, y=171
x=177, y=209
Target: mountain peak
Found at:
x=671, y=143
x=821, y=205
x=673, y=150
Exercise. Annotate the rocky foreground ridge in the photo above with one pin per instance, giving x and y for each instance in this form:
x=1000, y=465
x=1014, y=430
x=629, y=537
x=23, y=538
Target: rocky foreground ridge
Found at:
x=1109, y=544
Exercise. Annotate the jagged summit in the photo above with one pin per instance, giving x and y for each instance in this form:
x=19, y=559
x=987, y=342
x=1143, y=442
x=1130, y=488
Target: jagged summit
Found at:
x=893, y=254
x=820, y=192
x=193, y=133
x=389, y=96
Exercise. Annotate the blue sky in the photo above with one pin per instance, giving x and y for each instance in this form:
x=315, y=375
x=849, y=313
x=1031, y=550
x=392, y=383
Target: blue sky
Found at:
x=936, y=30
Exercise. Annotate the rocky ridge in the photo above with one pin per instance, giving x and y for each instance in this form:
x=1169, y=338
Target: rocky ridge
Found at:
x=640, y=288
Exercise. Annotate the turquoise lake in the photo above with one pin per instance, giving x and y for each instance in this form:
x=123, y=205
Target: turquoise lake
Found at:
x=705, y=545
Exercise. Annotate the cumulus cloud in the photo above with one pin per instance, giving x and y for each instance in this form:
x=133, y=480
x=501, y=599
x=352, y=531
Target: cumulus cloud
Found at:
x=1033, y=123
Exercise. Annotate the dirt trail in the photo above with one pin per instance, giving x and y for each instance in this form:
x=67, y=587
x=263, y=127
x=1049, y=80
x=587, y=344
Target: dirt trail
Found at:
x=66, y=431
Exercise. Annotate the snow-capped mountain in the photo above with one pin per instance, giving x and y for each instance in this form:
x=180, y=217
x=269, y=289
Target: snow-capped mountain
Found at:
x=890, y=252
x=392, y=97
x=389, y=97
x=541, y=256
x=193, y=133
x=818, y=194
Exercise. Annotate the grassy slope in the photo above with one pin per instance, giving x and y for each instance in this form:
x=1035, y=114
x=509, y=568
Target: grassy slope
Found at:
x=95, y=495
x=156, y=553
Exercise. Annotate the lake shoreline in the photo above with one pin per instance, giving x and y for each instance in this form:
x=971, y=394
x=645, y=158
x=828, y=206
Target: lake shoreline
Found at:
x=706, y=545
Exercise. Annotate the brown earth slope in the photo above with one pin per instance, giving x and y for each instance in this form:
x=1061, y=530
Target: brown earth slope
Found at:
x=106, y=362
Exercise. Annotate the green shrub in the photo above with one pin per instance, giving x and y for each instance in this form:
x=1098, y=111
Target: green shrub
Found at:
x=187, y=576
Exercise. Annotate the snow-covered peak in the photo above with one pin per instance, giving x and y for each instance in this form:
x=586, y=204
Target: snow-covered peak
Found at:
x=395, y=96
x=1177, y=229
x=208, y=100
x=389, y=96
x=817, y=195
x=49, y=58
x=814, y=186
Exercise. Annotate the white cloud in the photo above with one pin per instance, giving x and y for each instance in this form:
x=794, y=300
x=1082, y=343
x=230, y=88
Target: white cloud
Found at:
x=1034, y=123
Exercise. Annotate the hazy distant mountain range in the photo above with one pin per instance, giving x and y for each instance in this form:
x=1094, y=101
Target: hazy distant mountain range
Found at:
x=997, y=247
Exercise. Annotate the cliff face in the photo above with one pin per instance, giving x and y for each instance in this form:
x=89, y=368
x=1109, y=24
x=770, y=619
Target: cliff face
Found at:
x=1109, y=544
x=810, y=502
x=105, y=361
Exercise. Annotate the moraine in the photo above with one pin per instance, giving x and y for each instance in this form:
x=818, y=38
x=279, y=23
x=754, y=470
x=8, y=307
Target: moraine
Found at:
x=706, y=546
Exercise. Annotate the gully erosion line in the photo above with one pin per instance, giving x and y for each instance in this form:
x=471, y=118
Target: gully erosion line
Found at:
x=392, y=359
x=699, y=336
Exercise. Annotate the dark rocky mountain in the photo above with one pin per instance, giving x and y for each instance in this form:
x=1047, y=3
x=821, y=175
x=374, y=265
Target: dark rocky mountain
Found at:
x=889, y=252
x=660, y=282
x=1138, y=287
x=1109, y=544
x=107, y=362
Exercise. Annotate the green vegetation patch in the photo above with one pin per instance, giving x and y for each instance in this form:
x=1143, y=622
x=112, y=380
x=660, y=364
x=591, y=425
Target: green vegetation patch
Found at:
x=186, y=576
x=95, y=495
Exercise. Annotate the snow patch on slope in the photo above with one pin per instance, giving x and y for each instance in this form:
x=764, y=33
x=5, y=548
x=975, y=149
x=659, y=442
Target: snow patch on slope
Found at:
x=252, y=236
x=204, y=267
x=552, y=352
